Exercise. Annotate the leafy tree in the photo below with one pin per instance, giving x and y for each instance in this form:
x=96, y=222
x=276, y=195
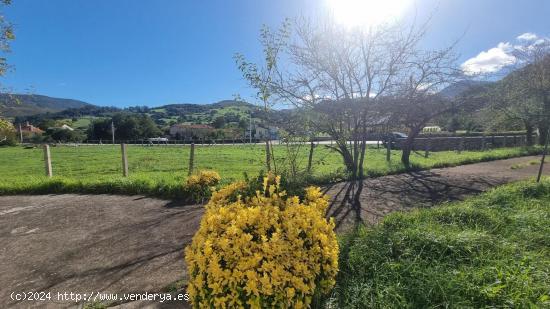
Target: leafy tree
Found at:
x=6, y=36
x=64, y=136
x=219, y=122
x=127, y=127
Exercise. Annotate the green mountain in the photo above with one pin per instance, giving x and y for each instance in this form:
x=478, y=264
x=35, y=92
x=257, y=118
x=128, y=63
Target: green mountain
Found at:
x=231, y=110
x=12, y=105
x=37, y=109
x=464, y=87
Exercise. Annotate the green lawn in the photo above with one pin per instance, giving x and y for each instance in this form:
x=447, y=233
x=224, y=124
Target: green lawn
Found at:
x=160, y=170
x=491, y=251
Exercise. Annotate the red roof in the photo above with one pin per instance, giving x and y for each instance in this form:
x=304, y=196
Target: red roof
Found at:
x=30, y=128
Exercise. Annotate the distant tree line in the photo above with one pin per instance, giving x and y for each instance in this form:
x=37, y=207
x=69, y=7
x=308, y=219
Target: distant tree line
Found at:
x=127, y=127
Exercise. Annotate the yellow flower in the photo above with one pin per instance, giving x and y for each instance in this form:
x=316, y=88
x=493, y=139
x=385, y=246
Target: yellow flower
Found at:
x=263, y=251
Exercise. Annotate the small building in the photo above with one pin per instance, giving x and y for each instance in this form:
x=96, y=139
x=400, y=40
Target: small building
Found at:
x=29, y=129
x=431, y=129
x=191, y=131
x=66, y=127
x=262, y=132
x=63, y=127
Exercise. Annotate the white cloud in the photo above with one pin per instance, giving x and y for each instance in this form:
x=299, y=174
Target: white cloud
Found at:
x=501, y=56
x=490, y=61
x=527, y=36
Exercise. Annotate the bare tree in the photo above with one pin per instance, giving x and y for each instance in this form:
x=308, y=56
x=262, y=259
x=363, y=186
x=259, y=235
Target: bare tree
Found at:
x=511, y=100
x=340, y=74
x=533, y=80
x=417, y=100
x=346, y=76
x=260, y=77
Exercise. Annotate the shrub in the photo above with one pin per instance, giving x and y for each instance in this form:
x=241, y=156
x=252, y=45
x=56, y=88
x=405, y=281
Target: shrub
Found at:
x=7, y=133
x=200, y=185
x=263, y=251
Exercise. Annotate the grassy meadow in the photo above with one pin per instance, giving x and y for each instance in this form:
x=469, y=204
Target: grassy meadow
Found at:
x=491, y=251
x=161, y=170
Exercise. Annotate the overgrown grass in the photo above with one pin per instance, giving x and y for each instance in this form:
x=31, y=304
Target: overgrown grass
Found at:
x=527, y=164
x=161, y=170
x=491, y=251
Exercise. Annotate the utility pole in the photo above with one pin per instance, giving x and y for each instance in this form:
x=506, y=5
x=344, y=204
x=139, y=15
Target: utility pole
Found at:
x=113, y=131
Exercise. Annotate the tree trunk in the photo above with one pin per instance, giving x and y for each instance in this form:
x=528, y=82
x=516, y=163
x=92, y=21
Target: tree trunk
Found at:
x=406, y=155
x=363, y=147
x=543, y=133
x=348, y=159
x=407, y=147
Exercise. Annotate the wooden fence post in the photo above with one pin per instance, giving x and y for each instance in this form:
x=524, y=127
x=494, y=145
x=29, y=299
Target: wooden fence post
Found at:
x=388, y=150
x=483, y=143
x=191, y=159
x=427, y=145
x=504, y=141
x=310, y=159
x=124, y=160
x=48, y=161
x=461, y=145
x=541, y=168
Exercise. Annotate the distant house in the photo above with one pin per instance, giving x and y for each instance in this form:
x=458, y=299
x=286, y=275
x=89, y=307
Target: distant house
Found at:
x=157, y=140
x=431, y=129
x=28, y=128
x=63, y=127
x=191, y=131
x=261, y=132
x=66, y=127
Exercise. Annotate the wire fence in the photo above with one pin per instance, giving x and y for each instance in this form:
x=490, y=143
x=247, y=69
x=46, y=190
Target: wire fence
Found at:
x=172, y=160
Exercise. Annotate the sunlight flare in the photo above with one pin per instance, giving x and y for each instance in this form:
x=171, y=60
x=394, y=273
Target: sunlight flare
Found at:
x=366, y=13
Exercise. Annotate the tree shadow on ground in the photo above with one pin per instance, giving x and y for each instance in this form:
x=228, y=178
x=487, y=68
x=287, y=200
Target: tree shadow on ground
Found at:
x=368, y=201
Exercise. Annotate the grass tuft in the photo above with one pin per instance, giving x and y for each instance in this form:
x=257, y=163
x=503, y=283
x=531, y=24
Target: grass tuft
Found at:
x=489, y=251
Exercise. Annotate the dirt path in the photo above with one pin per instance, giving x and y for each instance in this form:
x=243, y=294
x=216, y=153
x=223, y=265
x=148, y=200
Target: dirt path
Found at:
x=84, y=243
x=120, y=244
x=370, y=200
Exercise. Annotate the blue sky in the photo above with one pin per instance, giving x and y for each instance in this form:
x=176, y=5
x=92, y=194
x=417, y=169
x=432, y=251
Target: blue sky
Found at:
x=144, y=52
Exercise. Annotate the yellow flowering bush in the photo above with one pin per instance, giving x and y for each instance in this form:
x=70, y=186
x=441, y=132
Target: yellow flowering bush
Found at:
x=263, y=251
x=7, y=133
x=6, y=126
x=201, y=184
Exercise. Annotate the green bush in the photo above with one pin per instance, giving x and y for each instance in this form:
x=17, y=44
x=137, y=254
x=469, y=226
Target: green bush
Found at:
x=491, y=251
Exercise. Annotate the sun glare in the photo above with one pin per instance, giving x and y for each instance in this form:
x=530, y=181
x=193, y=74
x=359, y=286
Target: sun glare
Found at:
x=366, y=13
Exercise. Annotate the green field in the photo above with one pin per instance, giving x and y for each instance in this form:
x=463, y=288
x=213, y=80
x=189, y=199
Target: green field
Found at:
x=491, y=251
x=161, y=170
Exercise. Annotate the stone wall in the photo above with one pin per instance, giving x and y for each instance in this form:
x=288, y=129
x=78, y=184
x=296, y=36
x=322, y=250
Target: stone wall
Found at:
x=467, y=143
